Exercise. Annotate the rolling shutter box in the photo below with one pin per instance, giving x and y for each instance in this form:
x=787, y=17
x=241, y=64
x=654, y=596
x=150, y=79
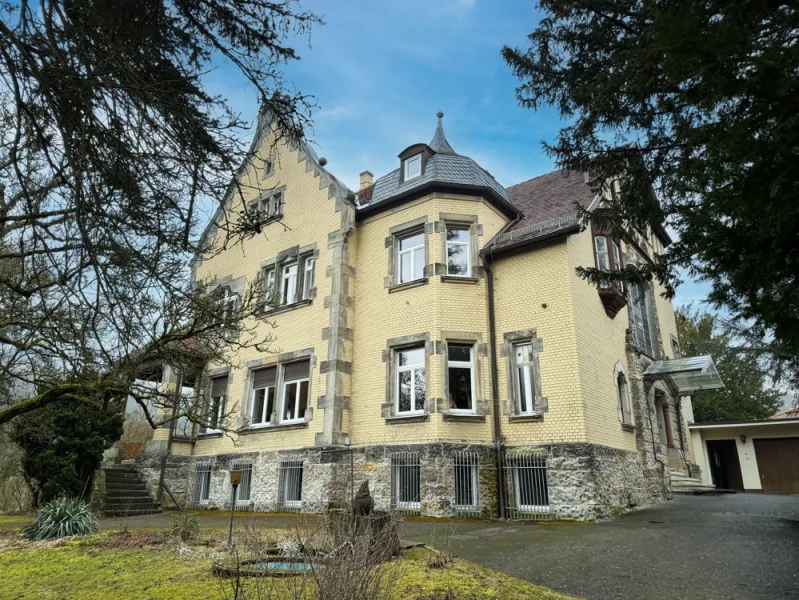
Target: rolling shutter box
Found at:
x=264, y=378
x=219, y=386
x=297, y=370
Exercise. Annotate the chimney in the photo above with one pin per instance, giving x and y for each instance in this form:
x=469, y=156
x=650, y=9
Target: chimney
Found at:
x=367, y=179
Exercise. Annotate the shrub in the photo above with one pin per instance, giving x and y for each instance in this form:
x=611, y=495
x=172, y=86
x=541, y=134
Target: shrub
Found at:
x=61, y=518
x=185, y=526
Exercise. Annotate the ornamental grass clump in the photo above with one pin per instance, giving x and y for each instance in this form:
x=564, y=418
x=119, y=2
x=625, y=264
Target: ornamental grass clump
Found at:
x=61, y=518
x=185, y=526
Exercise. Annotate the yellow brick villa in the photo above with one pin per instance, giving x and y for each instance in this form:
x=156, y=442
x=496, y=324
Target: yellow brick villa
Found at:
x=431, y=331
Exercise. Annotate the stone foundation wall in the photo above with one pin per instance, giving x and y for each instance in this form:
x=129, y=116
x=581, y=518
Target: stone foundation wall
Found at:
x=176, y=476
x=585, y=481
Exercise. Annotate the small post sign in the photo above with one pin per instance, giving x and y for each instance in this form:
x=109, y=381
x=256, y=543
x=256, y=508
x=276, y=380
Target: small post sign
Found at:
x=235, y=481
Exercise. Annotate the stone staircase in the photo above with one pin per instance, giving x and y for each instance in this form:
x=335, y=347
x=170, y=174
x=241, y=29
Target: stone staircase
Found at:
x=125, y=493
x=683, y=484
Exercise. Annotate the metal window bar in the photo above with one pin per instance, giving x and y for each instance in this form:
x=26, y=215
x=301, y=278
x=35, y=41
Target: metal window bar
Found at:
x=526, y=488
x=405, y=482
x=202, y=483
x=243, y=490
x=467, y=484
x=289, y=488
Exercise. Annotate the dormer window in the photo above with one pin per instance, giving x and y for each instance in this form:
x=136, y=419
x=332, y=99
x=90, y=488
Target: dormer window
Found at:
x=413, y=167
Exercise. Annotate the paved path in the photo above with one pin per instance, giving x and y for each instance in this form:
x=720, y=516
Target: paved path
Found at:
x=730, y=547
x=741, y=547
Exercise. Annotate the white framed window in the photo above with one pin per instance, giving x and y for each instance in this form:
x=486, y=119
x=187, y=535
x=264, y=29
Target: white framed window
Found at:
x=467, y=481
x=216, y=404
x=458, y=255
x=639, y=319
x=405, y=481
x=410, y=382
x=413, y=167
x=243, y=489
x=228, y=301
x=269, y=167
x=602, y=257
x=625, y=401
x=295, y=391
x=460, y=373
x=202, y=482
x=269, y=288
x=290, y=483
x=269, y=205
x=308, y=275
x=263, y=397
x=411, y=257
x=288, y=287
x=525, y=378
x=616, y=256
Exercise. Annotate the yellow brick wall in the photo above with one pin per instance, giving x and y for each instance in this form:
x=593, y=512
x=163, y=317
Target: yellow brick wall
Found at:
x=601, y=343
x=432, y=308
x=524, y=283
x=309, y=215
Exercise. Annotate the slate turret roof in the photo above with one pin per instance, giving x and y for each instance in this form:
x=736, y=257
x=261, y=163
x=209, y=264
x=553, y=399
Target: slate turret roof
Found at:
x=445, y=167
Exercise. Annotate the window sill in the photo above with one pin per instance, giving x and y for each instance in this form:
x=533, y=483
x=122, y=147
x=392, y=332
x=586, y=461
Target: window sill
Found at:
x=289, y=307
x=525, y=418
x=278, y=427
x=464, y=417
x=210, y=435
x=408, y=285
x=400, y=419
x=457, y=279
x=628, y=428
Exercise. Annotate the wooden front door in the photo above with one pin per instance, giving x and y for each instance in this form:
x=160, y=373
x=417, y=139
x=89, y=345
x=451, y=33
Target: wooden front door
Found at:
x=778, y=462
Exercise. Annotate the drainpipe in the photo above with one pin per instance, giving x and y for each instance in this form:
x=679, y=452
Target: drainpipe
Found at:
x=492, y=335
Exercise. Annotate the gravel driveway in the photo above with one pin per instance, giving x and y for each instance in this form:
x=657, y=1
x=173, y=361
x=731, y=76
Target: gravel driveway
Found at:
x=740, y=546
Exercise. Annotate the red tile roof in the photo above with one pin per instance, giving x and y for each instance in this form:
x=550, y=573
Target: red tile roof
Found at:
x=547, y=203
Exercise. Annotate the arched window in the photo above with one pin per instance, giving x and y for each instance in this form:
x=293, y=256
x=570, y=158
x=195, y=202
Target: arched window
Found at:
x=625, y=404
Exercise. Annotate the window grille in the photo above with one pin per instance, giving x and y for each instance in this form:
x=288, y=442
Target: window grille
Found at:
x=405, y=482
x=243, y=489
x=467, y=483
x=289, y=489
x=202, y=483
x=526, y=489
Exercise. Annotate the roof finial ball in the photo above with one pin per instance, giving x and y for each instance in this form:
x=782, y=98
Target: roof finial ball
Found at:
x=440, y=115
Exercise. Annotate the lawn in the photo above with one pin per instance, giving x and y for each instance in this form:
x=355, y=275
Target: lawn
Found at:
x=150, y=565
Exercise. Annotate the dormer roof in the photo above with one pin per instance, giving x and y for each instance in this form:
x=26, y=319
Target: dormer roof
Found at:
x=444, y=169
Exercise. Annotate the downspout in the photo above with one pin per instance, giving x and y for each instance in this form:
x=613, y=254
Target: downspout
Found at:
x=492, y=335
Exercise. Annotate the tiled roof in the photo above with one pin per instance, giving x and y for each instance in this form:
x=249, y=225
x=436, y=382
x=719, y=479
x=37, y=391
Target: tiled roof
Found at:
x=547, y=203
x=791, y=413
x=445, y=166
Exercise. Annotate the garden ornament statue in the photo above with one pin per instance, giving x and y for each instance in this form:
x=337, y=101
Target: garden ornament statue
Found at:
x=363, y=500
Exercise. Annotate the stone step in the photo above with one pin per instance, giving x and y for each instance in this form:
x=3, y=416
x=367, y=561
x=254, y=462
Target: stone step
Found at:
x=128, y=501
x=132, y=493
x=126, y=484
x=132, y=513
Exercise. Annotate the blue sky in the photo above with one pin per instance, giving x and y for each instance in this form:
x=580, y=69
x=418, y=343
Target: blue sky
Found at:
x=381, y=70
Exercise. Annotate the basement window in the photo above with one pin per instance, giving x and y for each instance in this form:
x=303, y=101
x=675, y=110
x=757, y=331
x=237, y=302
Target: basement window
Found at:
x=405, y=481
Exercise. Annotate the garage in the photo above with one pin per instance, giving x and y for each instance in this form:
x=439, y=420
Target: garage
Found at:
x=778, y=463
x=749, y=456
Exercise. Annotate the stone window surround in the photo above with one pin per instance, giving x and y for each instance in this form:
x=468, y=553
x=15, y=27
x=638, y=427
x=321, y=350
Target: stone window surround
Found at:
x=281, y=189
x=479, y=356
x=619, y=369
x=277, y=361
x=397, y=232
x=475, y=232
x=296, y=254
x=206, y=381
x=540, y=402
x=389, y=357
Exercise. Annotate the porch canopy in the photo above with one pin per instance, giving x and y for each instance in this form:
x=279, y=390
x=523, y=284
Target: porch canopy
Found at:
x=688, y=375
